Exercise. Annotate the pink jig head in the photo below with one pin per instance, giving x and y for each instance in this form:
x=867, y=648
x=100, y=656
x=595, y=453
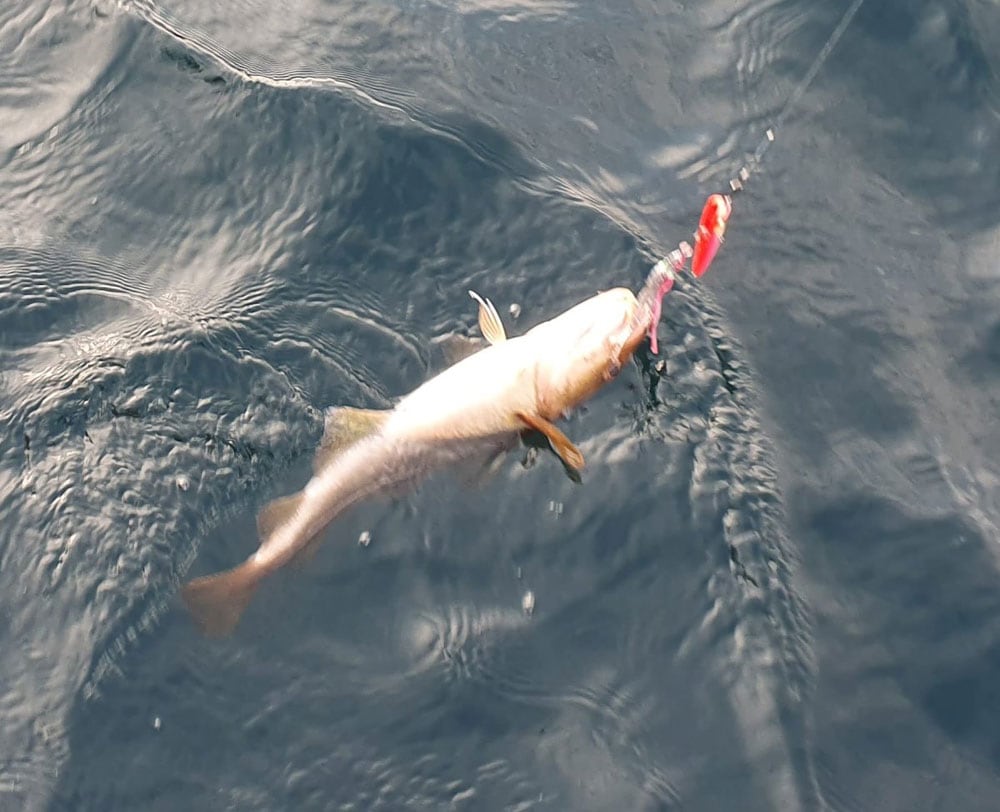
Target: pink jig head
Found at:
x=669, y=268
x=711, y=229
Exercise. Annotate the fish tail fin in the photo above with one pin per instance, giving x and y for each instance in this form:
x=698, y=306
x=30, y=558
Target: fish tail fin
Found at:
x=216, y=602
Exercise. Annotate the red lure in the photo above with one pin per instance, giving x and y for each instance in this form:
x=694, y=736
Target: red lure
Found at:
x=711, y=229
x=707, y=239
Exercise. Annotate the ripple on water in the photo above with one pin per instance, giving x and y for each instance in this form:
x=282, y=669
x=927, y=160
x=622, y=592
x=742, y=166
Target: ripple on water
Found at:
x=114, y=467
x=723, y=611
x=553, y=98
x=103, y=413
x=459, y=639
x=196, y=339
x=51, y=55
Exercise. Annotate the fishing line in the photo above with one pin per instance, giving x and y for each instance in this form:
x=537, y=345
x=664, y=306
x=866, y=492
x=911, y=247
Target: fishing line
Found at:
x=715, y=214
x=718, y=207
x=736, y=184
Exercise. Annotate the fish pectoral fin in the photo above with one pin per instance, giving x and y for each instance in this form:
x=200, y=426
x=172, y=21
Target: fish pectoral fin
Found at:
x=344, y=427
x=489, y=320
x=276, y=513
x=571, y=456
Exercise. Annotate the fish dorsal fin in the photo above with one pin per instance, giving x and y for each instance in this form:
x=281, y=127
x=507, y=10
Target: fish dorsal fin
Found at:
x=276, y=513
x=489, y=320
x=343, y=428
x=561, y=444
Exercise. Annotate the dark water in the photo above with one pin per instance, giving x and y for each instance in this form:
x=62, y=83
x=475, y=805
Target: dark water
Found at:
x=778, y=585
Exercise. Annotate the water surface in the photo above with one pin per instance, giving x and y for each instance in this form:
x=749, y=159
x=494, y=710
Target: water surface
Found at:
x=775, y=587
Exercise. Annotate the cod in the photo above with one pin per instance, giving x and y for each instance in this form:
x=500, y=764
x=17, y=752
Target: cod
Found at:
x=475, y=409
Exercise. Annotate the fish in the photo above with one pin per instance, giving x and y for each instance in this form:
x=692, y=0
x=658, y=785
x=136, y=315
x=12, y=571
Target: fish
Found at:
x=711, y=229
x=475, y=409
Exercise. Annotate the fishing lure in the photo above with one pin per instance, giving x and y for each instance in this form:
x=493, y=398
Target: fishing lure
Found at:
x=711, y=228
x=715, y=214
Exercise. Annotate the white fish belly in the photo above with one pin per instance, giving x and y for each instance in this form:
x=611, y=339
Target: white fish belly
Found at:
x=477, y=397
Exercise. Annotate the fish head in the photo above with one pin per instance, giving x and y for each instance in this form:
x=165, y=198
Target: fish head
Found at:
x=583, y=348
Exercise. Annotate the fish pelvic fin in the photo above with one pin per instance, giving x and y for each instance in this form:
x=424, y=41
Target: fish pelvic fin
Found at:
x=217, y=602
x=489, y=320
x=571, y=456
x=345, y=426
x=476, y=472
